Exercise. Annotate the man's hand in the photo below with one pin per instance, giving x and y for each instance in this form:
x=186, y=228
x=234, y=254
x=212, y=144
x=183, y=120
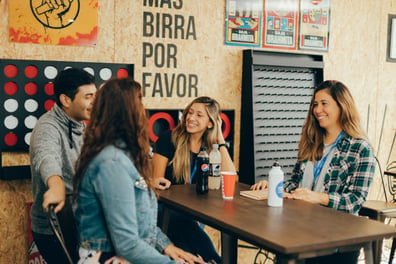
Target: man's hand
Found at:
x=56, y=194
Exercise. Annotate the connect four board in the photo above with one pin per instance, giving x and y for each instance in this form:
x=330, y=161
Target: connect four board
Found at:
x=27, y=92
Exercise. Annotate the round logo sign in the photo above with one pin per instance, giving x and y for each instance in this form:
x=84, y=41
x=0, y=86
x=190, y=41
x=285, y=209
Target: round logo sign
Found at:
x=279, y=189
x=205, y=167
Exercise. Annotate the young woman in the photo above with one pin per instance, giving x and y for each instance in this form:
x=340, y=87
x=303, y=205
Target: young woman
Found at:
x=116, y=208
x=174, y=162
x=336, y=162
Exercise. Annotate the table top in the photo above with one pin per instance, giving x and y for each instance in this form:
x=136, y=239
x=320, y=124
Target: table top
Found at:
x=295, y=228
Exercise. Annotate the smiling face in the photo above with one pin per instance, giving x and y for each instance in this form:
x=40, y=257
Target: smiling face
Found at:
x=197, y=119
x=326, y=111
x=80, y=108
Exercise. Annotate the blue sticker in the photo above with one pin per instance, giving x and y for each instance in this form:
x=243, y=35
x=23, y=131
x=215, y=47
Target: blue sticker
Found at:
x=279, y=189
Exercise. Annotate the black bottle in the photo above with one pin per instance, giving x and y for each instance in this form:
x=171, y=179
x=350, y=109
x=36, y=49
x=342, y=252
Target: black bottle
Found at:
x=202, y=171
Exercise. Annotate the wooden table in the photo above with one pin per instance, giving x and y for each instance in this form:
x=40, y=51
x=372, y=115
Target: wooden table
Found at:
x=294, y=232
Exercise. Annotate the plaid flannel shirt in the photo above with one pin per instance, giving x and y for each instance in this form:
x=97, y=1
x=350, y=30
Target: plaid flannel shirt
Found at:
x=348, y=176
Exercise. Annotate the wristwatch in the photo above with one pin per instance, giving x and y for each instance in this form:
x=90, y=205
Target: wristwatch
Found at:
x=223, y=145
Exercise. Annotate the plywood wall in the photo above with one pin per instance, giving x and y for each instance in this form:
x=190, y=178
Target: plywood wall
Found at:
x=356, y=56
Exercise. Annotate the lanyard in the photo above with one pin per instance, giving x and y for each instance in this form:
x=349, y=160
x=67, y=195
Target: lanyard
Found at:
x=193, y=170
x=318, y=166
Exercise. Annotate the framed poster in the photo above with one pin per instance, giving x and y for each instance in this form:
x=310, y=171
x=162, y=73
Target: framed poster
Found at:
x=243, y=22
x=280, y=24
x=71, y=23
x=314, y=27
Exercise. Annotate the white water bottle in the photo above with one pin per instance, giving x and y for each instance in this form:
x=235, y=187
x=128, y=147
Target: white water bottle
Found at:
x=275, y=186
x=215, y=168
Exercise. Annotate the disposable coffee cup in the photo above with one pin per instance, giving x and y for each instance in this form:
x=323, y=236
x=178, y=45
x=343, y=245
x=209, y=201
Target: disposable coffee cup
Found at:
x=228, y=179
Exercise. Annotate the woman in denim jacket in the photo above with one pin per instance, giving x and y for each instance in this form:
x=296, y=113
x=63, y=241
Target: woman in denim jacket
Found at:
x=336, y=162
x=116, y=208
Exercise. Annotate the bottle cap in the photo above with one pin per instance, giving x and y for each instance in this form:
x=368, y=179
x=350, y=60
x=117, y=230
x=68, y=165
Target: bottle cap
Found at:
x=276, y=164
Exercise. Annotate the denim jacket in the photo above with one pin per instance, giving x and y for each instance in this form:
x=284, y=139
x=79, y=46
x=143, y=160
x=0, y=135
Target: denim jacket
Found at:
x=114, y=211
x=348, y=176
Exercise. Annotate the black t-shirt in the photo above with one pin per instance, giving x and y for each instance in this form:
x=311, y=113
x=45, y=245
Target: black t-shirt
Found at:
x=165, y=147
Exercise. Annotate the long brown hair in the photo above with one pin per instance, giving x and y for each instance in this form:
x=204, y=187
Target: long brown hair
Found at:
x=181, y=138
x=117, y=113
x=311, y=143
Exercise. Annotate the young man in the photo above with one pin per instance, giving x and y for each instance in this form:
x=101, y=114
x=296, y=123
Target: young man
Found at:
x=54, y=148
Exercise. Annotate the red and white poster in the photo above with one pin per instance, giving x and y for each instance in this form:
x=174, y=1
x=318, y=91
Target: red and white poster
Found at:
x=64, y=22
x=280, y=24
x=314, y=27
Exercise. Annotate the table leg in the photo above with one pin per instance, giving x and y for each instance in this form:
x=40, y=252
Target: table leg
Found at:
x=377, y=248
x=229, y=248
x=377, y=245
x=284, y=260
x=163, y=221
x=368, y=253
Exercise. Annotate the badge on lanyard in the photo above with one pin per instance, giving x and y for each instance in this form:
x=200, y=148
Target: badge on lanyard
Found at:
x=318, y=166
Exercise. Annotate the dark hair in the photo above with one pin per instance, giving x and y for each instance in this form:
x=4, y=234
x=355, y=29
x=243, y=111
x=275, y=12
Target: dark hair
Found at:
x=117, y=113
x=69, y=80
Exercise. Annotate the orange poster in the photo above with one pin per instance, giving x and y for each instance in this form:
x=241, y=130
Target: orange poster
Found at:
x=55, y=22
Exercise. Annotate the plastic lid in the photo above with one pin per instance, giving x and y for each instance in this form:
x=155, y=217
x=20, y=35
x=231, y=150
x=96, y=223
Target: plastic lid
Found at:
x=276, y=164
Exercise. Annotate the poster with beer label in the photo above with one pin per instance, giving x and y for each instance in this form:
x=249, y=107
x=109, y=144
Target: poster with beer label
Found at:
x=243, y=22
x=314, y=27
x=280, y=24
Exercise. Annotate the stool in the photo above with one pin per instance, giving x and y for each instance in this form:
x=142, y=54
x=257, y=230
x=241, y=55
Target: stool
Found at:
x=379, y=210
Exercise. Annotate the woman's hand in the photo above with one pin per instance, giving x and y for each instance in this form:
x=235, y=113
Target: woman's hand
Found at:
x=309, y=196
x=161, y=183
x=261, y=185
x=117, y=260
x=182, y=256
x=220, y=138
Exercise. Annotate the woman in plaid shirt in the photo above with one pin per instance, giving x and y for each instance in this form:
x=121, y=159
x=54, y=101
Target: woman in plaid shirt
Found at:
x=336, y=162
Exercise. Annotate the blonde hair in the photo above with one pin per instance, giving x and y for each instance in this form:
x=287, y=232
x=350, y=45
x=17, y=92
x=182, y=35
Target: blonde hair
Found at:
x=311, y=142
x=181, y=138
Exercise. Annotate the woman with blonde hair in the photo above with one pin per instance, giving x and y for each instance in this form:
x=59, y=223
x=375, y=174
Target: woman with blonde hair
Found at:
x=116, y=207
x=175, y=161
x=336, y=163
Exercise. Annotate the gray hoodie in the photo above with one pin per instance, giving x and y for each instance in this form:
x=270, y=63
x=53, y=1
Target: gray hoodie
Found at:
x=55, y=144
